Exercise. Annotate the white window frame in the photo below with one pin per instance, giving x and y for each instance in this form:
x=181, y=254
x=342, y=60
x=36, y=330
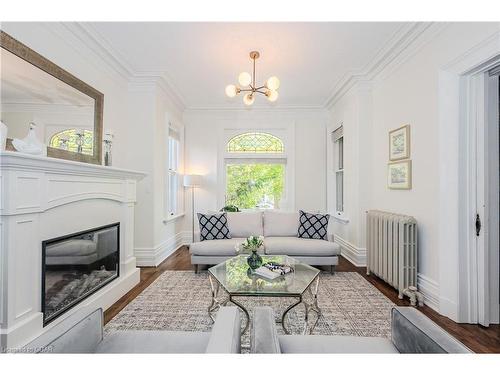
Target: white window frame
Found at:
x=173, y=187
x=284, y=132
x=339, y=169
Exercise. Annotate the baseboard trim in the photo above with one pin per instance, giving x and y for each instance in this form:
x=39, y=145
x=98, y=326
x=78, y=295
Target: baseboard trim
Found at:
x=450, y=309
x=152, y=257
x=355, y=255
x=430, y=289
x=187, y=237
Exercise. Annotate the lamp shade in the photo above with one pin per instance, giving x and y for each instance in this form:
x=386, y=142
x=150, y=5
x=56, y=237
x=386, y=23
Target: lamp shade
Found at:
x=192, y=180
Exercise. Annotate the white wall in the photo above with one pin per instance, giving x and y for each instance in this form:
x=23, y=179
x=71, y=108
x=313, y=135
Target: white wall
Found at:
x=150, y=110
x=59, y=46
x=168, y=234
x=135, y=111
x=408, y=94
x=354, y=112
x=203, y=140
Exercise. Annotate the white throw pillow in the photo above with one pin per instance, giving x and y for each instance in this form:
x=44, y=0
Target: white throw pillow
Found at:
x=281, y=224
x=245, y=224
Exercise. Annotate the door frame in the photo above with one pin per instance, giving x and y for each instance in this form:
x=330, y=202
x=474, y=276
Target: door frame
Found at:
x=492, y=183
x=462, y=95
x=482, y=109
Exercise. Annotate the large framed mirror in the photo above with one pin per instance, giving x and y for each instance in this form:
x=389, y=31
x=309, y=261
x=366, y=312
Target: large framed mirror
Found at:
x=66, y=111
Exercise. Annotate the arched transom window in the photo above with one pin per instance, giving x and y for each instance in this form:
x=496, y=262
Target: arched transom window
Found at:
x=255, y=143
x=70, y=140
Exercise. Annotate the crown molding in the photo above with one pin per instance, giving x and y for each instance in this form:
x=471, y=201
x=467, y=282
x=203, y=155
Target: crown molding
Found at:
x=68, y=34
x=88, y=35
x=151, y=84
x=256, y=109
x=411, y=49
x=392, y=54
x=163, y=84
x=463, y=63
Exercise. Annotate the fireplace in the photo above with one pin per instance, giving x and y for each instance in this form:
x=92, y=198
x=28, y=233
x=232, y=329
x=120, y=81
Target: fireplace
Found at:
x=77, y=265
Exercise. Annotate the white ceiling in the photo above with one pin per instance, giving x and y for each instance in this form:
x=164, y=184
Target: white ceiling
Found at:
x=200, y=59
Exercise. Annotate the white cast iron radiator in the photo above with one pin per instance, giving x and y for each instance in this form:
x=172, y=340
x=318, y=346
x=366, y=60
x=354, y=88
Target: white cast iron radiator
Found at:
x=391, y=242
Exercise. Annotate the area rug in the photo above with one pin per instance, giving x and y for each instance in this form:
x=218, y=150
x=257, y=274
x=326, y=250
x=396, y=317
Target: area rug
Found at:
x=178, y=301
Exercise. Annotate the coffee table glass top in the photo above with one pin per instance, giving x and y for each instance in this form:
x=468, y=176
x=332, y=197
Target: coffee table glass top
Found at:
x=234, y=277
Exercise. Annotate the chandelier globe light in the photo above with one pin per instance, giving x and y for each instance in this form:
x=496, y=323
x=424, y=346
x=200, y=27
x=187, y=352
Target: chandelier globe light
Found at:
x=272, y=95
x=273, y=83
x=245, y=79
x=248, y=86
x=248, y=99
x=231, y=91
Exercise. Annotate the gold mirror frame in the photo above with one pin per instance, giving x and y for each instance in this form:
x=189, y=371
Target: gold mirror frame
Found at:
x=24, y=52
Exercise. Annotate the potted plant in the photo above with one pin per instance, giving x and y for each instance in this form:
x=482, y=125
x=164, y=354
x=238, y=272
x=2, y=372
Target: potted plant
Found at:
x=230, y=208
x=252, y=245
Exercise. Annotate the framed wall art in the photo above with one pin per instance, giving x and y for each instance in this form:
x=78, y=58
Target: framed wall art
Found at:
x=399, y=143
x=399, y=175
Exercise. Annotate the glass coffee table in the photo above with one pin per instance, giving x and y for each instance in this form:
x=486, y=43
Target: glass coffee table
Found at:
x=236, y=280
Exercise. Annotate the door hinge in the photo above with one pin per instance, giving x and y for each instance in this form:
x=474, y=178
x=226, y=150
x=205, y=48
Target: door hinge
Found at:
x=478, y=225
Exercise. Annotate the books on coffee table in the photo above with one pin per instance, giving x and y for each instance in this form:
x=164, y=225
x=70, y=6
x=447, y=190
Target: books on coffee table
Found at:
x=273, y=270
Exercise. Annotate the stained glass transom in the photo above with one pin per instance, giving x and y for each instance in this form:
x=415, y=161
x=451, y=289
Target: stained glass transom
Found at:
x=68, y=140
x=255, y=142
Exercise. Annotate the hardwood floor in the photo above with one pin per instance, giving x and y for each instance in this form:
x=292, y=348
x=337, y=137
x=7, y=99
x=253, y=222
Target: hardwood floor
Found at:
x=477, y=338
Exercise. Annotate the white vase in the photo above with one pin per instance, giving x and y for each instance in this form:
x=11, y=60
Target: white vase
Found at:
x=3, y=136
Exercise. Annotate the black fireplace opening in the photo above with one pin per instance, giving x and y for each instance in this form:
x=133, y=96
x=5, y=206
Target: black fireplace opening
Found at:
x=77, y=265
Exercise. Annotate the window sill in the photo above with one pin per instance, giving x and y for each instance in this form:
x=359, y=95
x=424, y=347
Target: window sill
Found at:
x=340, y=218
x=173, y=217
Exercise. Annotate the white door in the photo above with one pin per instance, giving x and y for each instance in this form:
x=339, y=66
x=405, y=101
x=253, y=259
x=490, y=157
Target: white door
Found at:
x=487, y=202
x=493, y=200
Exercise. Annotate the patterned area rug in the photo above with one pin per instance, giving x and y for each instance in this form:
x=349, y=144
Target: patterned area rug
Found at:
x=178, y=301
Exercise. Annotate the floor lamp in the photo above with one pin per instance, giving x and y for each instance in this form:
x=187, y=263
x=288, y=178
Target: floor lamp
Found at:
x=192, y=181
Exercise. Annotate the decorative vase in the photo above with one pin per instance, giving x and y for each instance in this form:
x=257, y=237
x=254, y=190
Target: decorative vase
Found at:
x=108, y=142
x=3, y=136
x=254, y=260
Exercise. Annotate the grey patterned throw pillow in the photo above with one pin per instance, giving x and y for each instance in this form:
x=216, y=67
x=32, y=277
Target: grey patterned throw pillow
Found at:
x=313, y=226
x=213, y=227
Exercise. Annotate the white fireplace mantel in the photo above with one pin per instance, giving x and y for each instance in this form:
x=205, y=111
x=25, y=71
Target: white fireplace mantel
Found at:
x=44, y=198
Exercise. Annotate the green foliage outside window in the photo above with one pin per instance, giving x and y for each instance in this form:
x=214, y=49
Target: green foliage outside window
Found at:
x=254, y=185
x=87, y=146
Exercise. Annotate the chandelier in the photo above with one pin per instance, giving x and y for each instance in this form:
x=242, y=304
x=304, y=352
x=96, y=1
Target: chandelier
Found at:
x=248, y=85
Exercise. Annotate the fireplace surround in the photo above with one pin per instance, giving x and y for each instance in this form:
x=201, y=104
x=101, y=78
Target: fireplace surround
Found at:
x=44, y=198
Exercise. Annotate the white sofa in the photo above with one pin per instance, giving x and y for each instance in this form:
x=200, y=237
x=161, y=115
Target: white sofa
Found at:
x=279, y=229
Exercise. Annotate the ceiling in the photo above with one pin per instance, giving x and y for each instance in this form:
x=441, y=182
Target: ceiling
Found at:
x=199, y=59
